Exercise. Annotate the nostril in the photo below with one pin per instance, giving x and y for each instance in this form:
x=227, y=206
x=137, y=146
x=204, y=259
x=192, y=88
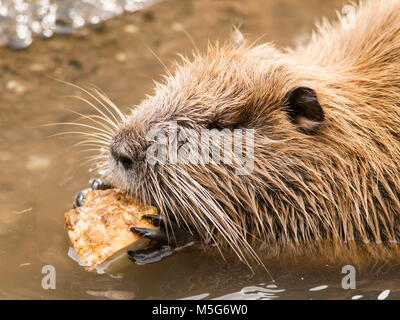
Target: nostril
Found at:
x=126, y=163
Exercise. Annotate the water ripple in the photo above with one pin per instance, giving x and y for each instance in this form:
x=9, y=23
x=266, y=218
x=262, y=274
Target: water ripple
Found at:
x=253, y=293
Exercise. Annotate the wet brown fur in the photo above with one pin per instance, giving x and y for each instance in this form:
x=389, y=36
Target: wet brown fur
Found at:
x=336, y=184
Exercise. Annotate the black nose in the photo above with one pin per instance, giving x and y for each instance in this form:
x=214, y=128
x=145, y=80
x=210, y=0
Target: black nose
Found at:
x=126, y=162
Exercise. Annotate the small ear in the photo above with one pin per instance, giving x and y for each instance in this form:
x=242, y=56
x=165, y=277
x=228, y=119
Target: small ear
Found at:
x=237, y=38
x=304, y=109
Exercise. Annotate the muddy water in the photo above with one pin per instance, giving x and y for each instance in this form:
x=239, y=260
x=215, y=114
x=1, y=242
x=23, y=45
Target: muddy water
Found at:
x=40, y=175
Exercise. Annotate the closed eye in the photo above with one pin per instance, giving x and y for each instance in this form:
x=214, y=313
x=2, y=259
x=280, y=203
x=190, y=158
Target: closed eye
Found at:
x=235, y=120
x=220, y=126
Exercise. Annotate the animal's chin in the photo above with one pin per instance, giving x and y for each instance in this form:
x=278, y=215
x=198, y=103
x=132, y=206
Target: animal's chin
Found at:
x=133, y=189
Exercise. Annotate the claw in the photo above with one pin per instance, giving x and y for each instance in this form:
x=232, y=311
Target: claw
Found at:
x=97, y=184
x=180, y=240
x=80, y=198
x=152, y=234
x=150, y=255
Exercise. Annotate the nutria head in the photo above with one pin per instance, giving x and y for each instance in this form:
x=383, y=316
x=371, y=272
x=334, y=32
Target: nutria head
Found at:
x=247, y=94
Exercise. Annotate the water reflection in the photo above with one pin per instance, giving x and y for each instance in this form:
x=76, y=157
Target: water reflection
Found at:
x=112, y=294
x=254, y=293
x=20, y=20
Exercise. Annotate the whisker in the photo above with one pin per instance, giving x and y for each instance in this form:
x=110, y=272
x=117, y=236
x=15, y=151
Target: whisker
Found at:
x=93, y=97
x=107, y=100
x=106, y=118
x=101, y=139
x=102, y=104
x=90, y=144
x=77, y=124
x=92, y=118
x=90, y=150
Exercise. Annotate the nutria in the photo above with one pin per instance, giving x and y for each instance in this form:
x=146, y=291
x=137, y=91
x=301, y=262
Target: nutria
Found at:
x=326, y=120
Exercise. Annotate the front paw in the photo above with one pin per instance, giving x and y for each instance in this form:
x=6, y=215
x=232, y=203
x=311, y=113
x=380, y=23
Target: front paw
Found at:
x=169, y=233
x=95, y=184
x=170, y=238
x=150, y=255
x=80, y=197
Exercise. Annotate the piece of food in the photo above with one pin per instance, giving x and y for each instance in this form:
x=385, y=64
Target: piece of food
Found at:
x=100, y=228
